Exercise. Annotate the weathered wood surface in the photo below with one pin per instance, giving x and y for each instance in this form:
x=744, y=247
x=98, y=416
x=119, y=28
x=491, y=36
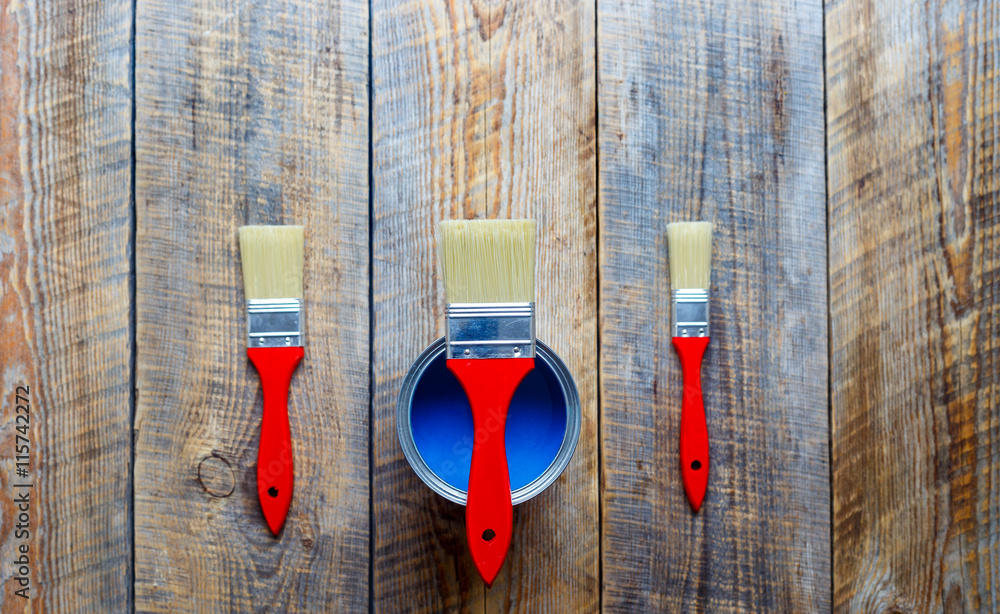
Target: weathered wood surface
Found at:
x=253, y=112
x=915, y=304
x=482, y=109
x=249, y=112
x=714, y=111
x=65, y=300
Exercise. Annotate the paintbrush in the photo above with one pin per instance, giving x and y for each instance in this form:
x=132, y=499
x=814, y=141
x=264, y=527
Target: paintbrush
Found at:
x=489, y=277
x=690, y=246
x=272, y=279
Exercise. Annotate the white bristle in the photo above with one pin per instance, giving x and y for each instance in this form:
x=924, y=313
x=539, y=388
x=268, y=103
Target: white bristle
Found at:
x=487, y=261
x=690, y=245
x=272, y=261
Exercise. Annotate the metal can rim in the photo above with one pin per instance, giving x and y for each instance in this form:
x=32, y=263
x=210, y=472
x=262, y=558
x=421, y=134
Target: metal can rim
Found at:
x=404, y=430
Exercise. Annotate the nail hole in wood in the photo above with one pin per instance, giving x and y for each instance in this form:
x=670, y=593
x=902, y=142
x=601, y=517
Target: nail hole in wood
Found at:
x=489, y=534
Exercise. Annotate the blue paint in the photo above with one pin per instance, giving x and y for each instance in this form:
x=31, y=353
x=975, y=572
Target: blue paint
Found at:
x=442, y=425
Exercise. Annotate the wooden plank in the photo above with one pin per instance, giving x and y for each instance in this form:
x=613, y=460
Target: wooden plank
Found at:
x=915, y=305
x=714, y=111
x=541, y=142
x=249, y=112
x=482, y=110
x=65, y=302
x=428, y=88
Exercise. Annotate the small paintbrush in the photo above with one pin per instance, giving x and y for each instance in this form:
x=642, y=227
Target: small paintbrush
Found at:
x=489, y=277
x=272, y=279
x=690, y=275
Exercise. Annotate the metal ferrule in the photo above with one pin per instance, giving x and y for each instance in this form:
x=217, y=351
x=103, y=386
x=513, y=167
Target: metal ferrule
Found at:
x=491, y=330
x=274, y=322
x=689, y=313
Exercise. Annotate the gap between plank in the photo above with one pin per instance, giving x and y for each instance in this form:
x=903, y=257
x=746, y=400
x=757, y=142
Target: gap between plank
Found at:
x=130, y=576
x=371, y=317
x=829, y=312
x=598, y=305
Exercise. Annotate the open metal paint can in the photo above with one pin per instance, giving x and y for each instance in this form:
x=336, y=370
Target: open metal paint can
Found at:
x=434, y=424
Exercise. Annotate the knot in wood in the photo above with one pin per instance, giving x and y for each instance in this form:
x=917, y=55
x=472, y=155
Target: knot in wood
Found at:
x=215, y=475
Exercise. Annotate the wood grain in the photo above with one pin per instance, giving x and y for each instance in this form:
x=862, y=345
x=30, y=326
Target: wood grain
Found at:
x=482, y=109
x=915, y=299
x=249, y=112
x=65, y=299
x=253, y=112
x=714, y=111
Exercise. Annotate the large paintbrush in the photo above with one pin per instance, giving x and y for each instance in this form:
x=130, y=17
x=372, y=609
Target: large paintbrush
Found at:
x=489, y=277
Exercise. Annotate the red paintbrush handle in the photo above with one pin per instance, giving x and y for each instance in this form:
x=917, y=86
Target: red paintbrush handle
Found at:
x=275, y=467
x=489, y=384
x=694, y=431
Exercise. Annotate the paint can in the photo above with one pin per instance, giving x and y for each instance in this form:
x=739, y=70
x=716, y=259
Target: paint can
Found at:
x=434, y=425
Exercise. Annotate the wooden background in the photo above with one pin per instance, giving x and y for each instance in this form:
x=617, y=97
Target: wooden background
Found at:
x=846, y=153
